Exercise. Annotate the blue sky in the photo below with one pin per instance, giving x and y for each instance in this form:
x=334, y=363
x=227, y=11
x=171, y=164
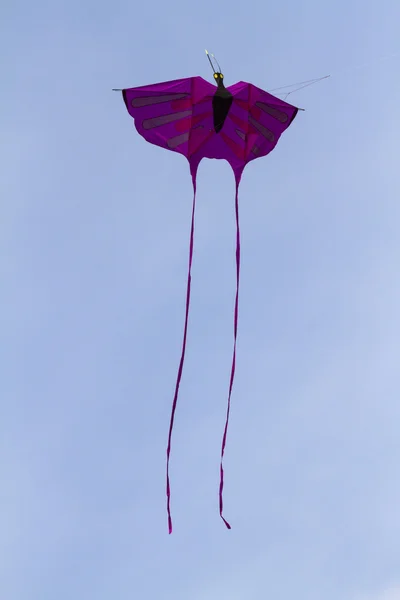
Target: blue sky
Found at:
x=94, y=229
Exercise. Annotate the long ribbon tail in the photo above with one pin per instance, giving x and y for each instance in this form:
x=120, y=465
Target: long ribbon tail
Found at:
x=221, y=484
x=178, y=380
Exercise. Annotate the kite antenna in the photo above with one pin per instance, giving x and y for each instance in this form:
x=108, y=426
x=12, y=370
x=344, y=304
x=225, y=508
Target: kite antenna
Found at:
x=212, y=66
x=220, y=71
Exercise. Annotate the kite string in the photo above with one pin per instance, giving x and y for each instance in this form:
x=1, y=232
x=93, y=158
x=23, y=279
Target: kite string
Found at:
x=304, y=84
x=178, y=380
x=300, y=83
x=221, y=484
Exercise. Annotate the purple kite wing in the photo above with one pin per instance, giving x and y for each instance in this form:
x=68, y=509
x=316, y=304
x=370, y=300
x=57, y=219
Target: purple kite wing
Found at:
x=254, y=124
x=170, y=114
x=267, y=118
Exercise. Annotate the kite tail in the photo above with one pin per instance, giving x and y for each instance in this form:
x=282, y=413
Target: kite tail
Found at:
x=235, y=323
x=178, y=380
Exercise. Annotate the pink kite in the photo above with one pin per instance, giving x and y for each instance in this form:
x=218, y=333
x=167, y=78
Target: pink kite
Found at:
x=239, y=124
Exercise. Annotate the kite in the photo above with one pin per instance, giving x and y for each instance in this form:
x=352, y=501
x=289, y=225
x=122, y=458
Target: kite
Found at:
x=193, y=117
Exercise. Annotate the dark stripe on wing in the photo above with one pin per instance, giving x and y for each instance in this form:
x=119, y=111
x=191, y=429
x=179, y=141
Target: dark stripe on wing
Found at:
x=176, y=141
x=274, y=112
x=149, y=100
x=267, y=133
x=165, y=119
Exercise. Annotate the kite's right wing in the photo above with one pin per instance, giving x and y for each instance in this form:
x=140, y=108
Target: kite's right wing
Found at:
x=259, y=119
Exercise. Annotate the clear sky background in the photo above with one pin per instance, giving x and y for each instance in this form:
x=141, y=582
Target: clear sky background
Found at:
x=94, y=231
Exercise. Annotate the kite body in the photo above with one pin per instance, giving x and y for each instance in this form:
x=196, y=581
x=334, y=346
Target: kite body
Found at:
x=187, y=116
x=194, y=118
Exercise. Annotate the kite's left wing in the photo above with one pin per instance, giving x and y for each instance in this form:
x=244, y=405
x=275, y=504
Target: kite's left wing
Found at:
x=165, y=113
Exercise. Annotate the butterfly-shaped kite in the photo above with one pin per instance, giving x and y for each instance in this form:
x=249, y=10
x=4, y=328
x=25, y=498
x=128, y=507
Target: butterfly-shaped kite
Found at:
x=239, y=124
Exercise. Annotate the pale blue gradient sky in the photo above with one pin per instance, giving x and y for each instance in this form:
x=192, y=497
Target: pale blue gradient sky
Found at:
x=94, y=236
